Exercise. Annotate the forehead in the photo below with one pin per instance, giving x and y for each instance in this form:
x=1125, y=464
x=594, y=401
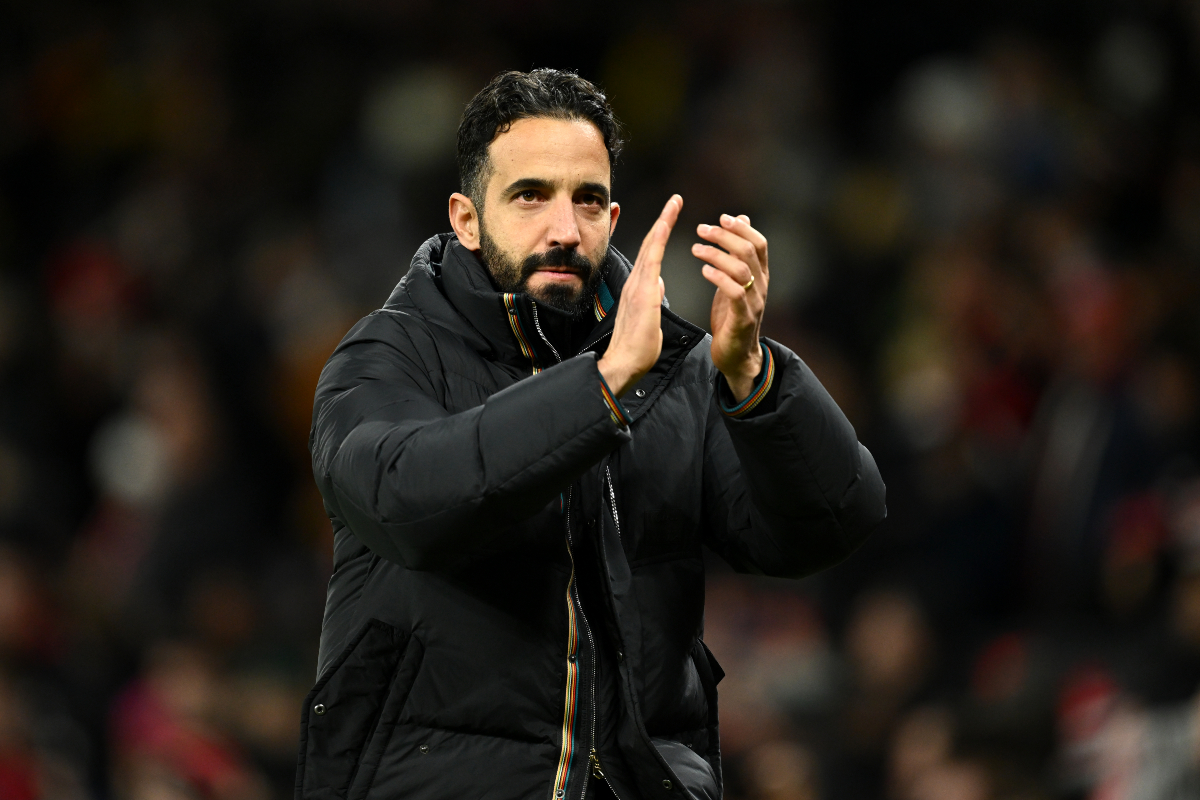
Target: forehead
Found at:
x=562, y=151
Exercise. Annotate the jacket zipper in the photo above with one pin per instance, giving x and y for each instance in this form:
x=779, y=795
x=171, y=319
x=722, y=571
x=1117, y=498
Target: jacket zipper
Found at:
x=603, y=336
x=612, y=499
x=594, y=757
x=537, y=324
x=561, y=778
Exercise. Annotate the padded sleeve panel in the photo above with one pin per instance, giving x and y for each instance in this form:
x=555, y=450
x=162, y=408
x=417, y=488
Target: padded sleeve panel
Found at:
x=421, y=486
x=791, y=491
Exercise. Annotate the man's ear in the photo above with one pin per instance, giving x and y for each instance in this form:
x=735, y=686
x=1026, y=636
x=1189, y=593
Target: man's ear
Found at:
x=614, y=211
x=464, y=219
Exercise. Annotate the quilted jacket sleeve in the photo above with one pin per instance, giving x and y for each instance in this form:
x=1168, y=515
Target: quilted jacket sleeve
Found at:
x=790, y=491
x=421, y=486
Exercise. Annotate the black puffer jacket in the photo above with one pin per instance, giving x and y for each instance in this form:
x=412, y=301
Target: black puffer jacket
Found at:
x=518, y=589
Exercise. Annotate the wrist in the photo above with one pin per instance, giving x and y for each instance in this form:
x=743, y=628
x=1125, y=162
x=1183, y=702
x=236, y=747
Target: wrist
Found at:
x=744, y=376
x=618, y=376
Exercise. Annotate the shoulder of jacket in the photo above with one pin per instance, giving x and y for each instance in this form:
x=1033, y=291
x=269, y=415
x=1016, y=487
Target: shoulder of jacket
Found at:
x=396, y=325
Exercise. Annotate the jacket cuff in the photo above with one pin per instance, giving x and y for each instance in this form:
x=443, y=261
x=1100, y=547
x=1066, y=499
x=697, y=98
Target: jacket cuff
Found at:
x=616, y=411
x=758, y=395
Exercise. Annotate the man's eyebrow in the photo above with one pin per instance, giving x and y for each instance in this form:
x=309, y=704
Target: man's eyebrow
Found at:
x=596, y=188
x=522, y=184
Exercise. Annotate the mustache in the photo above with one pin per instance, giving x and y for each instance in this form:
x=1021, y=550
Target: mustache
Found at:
x=557, y=257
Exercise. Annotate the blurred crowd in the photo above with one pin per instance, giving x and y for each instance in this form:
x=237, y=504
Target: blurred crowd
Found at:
x=985, y=240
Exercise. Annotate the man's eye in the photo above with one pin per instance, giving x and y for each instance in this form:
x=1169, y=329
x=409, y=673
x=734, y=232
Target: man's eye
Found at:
x=590, y=200
x=529, y=195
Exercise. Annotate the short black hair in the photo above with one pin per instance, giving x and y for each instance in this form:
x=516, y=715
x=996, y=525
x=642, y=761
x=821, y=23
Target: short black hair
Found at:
x=512, y=96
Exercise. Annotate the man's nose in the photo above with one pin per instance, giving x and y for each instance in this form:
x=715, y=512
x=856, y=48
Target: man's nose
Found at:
x=564, y=228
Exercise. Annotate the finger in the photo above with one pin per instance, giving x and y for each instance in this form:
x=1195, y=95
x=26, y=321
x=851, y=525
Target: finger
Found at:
x=736, y=245
x=661, y=227
x=666, y=221
x=642, y=250
x=727, y=286
x=670, y=212
x=662, y=232
x=730, y=265
x=741, y=226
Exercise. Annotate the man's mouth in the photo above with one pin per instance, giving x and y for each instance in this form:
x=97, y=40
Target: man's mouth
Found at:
x=558, y=273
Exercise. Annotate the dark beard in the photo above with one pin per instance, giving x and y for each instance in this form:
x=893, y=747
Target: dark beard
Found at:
x=510, y=276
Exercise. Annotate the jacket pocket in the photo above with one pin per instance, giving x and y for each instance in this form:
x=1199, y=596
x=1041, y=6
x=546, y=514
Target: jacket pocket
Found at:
x=710, y=675
x=350, y=712
x=694, y=773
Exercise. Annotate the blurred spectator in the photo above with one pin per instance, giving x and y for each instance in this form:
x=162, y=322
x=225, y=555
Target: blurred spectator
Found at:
x=890, y=653
x=19, y=777
x=167, y=738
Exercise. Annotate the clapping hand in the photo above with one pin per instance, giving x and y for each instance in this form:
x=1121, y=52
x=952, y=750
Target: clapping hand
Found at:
x=637, y=330
x=736, y=263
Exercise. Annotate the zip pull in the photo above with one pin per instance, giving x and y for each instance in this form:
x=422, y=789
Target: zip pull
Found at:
x=594, y=760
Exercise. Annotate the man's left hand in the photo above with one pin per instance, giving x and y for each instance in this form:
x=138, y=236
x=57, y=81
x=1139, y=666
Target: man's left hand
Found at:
x=737, y=266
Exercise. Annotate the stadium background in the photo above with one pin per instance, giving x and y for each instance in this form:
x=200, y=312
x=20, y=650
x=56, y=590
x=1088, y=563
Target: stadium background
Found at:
x=985, y=239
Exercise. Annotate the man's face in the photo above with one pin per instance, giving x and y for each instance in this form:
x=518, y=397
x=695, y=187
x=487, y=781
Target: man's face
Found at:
x=546, y=220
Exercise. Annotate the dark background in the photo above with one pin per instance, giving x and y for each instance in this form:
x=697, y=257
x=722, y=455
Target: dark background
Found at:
x=985, y=239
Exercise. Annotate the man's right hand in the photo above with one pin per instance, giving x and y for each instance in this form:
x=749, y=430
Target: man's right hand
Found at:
x=637, y=330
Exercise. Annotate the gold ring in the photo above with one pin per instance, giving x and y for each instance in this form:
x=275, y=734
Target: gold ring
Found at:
x=748, y=283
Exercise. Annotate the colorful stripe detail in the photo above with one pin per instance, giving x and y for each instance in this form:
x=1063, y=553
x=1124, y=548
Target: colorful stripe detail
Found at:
x=563, y=775
x=510, y=304
x=602, y=302
x=615, y=409
x=758, y=392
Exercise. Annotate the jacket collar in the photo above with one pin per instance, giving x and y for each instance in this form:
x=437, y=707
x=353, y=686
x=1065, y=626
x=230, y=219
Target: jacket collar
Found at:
x=452, y=288
x=509, y=322
x=469, y=289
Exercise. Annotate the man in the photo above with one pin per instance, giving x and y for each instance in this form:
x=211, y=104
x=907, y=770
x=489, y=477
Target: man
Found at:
x=521, y=454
